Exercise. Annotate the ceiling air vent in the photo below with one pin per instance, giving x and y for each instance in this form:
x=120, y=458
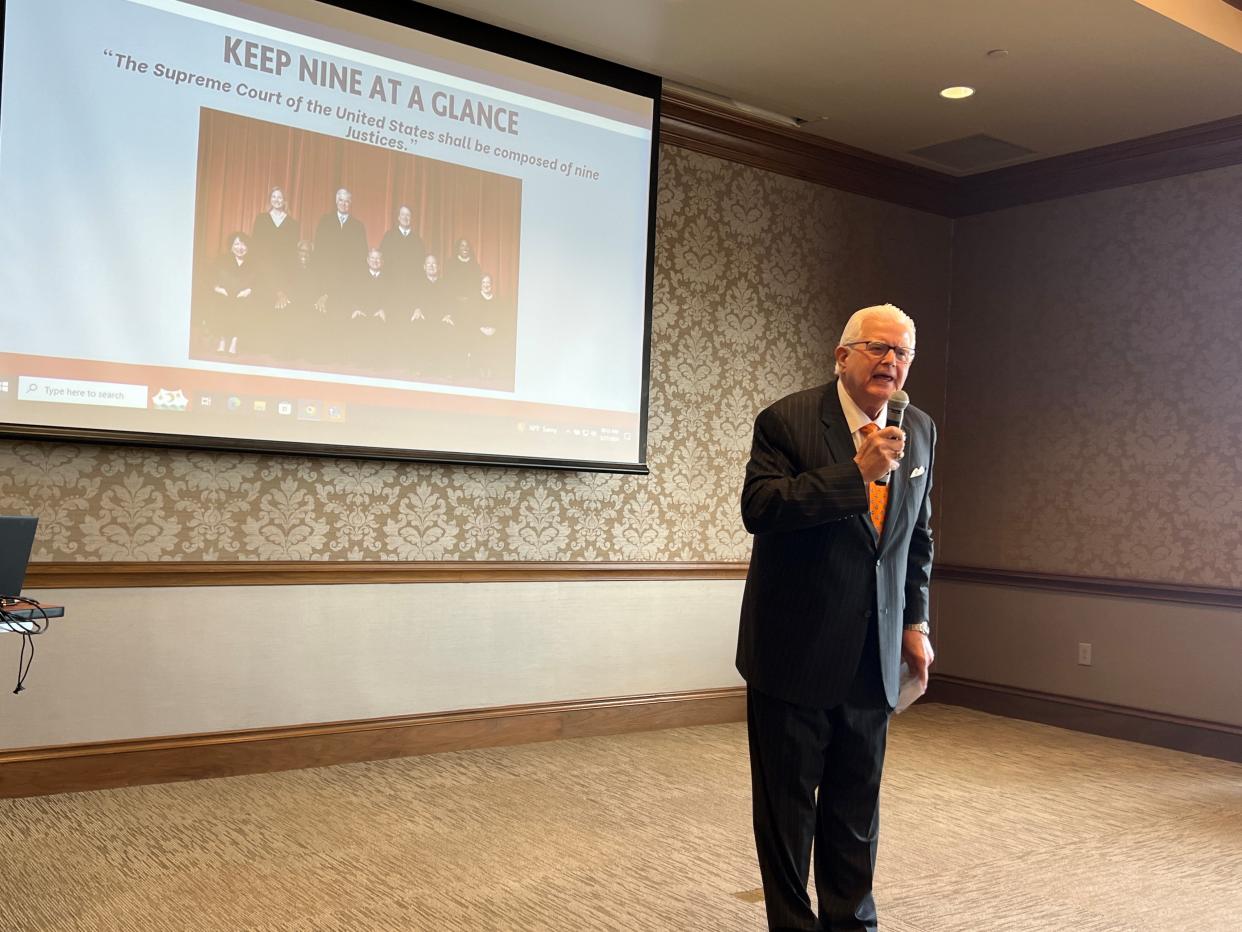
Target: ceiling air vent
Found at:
x=972, y=153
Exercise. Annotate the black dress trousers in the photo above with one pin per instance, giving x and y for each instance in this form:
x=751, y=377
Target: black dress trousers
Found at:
x=815, y=776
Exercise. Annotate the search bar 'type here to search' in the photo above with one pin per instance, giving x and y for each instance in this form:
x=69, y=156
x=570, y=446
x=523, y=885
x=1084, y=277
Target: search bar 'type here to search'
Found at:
x=80, y=392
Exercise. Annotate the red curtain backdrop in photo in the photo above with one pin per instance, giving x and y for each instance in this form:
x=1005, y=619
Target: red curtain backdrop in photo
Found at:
x=241, y=159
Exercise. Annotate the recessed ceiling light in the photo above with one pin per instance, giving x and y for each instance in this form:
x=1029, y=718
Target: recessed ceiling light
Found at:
x=957, y=93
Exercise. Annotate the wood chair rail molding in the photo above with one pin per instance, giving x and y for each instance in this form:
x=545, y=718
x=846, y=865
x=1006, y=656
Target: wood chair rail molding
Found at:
x=1092, y=585
x=124, y=575
x=114, y=575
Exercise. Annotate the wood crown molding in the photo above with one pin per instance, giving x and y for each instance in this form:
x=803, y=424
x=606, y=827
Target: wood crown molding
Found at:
x=694, y=123
x=100, y=765
x=1164, y=155
x=1194, y=736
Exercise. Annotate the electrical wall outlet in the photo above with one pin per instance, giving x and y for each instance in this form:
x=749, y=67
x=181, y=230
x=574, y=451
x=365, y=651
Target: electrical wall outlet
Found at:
x=1084, y=654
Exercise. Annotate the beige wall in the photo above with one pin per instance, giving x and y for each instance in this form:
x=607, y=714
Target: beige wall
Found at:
x=756, y=273
x=1087, y=429
x=1090, y=426
x=1094, y=428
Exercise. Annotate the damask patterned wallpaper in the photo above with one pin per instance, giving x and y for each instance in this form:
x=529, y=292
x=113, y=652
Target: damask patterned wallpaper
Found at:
x=1095, y=385
x=755, y=275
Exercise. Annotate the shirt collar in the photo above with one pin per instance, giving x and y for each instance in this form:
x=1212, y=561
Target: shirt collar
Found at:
x=854, y=415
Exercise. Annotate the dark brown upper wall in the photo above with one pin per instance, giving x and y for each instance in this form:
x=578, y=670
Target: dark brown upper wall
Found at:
x=1093, y=425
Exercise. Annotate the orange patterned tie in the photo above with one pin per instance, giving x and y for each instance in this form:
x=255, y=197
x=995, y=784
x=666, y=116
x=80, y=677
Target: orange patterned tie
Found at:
x=878, y=493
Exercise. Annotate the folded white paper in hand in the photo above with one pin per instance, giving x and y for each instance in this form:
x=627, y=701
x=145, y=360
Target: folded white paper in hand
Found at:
x=909, y=688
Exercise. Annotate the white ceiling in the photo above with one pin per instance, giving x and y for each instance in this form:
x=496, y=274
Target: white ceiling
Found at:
x=1078, y=73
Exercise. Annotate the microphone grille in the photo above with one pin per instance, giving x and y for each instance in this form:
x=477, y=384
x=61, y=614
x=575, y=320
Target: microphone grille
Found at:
x=898, y=401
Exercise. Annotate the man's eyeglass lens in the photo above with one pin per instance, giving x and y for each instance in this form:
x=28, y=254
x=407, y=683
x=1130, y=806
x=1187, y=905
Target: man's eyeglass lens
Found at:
x=880, y=350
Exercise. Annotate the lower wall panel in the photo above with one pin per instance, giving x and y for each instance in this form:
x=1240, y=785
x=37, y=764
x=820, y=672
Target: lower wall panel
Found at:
x=1196, y=737
x=137, y=663
x=269, y=677
x=1174, y=658
x=69, y=768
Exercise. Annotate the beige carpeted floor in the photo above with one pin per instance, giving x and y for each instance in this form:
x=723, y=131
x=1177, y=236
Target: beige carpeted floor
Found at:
x=988, y=824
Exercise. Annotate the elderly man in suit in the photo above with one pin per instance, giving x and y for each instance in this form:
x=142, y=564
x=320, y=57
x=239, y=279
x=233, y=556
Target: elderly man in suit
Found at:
x=836, y=596
x=340, y=250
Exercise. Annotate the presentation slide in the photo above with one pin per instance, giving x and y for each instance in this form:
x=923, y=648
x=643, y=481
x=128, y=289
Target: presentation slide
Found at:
x=285, y=225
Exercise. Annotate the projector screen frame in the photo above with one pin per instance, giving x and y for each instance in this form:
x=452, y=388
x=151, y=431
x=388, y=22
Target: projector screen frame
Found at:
x=458, y=28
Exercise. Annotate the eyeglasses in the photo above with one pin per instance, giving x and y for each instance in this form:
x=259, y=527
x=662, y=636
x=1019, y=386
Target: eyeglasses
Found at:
x=879, y=350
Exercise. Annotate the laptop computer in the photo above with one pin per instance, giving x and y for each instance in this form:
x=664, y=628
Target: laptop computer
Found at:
x=16, y=540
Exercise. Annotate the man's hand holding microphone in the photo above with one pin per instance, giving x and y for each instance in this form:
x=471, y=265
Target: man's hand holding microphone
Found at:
x=880, y=453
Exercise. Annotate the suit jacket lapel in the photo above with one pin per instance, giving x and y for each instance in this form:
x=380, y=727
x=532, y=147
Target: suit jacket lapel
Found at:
x=896, y=488
x=899, y=484
x=836, y=429
x=841, y=443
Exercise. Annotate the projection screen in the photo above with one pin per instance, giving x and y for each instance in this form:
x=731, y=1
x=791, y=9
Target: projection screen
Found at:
x=289, y=226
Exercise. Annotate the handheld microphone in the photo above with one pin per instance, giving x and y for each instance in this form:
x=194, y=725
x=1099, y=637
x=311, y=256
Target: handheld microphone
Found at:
x=896, y=412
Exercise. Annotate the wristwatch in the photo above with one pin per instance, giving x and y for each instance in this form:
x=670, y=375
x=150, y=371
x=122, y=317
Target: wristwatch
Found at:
x=922, y=628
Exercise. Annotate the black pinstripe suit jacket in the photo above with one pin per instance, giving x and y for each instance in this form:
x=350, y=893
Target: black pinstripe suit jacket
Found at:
x=818, y=572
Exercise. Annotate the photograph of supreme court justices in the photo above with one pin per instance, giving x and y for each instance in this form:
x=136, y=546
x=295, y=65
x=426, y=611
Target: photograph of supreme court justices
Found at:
x=319, y=253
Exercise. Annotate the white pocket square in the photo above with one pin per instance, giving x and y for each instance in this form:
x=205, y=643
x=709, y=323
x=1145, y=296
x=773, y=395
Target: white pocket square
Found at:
x=916, y=472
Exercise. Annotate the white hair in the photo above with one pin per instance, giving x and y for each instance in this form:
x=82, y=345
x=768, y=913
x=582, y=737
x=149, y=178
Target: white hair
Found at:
x=854, y=326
